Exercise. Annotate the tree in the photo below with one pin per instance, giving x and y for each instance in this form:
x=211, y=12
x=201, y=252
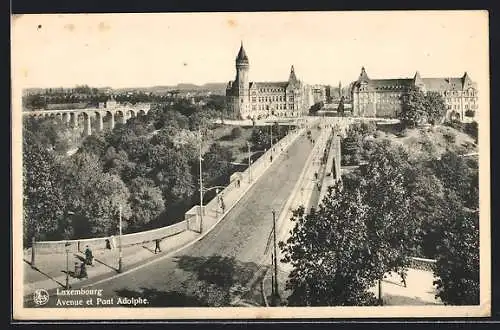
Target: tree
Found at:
x=146, y=202
x=236, y=132
x=457, y=266
x=330, y=254
x=458, y=175
x=173, y=176
x=384, y=181
x=435, y=107
x=216, y=165
x=43, y=198
x=95, y=196
x=419, y=107
x=95, y=143
x=414, y=108
x=315, y=108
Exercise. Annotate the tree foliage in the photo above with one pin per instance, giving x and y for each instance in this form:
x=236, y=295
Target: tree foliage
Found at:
x=146, y=203
x=148, y=166
x=330, y=255
x=457, y=267
x=43, y=196
x=419, y=107
x=389, y=209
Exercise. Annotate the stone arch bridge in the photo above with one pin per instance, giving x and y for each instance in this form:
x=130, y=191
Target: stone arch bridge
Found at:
x=120, y=114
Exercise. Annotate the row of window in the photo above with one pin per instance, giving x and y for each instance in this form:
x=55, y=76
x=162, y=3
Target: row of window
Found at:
x=278, y=106
x=271, y=90
x=459, y=93
x=457, y=100
x=275, y=98
x=457, y=107
x=277, y=114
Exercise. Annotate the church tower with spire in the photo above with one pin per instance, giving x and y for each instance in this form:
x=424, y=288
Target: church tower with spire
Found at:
x=260, y=100
x=238, y=90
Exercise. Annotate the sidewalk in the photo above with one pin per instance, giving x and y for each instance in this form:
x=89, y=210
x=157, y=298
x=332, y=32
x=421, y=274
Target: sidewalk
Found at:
x=50, y=270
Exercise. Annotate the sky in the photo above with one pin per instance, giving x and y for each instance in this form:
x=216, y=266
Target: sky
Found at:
x=139, y=50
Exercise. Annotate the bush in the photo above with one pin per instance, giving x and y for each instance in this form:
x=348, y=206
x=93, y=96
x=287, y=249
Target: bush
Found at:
x=236, y=132
x=403, y=133
x=450, y=137
x=472, y=130
x=470, y=113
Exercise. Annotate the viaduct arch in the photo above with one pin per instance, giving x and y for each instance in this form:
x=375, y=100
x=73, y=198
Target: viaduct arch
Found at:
x=71, y=117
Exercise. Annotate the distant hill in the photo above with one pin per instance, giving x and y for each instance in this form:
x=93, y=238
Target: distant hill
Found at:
x=215, y=88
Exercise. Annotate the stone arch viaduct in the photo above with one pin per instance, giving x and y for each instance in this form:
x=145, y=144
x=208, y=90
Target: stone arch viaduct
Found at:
x=120, y=114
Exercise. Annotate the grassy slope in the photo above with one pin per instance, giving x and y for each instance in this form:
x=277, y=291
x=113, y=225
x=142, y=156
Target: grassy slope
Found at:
x=413, y=138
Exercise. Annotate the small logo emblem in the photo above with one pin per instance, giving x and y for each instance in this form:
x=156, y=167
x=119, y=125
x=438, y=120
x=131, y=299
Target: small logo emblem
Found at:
x=41, y=297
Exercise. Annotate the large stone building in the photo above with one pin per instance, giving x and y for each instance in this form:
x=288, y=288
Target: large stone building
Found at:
x=384, y=97
x=261, y=100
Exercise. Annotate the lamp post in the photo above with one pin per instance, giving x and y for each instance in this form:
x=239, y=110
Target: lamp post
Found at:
x=276, y=297
x=271, y=145
x=201, y=186
x=249, y=163
x=67, y=264
x=120, y=262
x=33, y=252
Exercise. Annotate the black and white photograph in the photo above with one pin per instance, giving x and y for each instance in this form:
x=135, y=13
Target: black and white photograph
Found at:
x=251, y=165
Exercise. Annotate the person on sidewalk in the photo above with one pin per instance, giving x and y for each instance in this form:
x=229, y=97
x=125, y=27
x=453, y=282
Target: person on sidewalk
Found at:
x=83, y=271
x=238, y=183
x=222, y=205
x=157, y=246
x=403, y=277
x=89, y=258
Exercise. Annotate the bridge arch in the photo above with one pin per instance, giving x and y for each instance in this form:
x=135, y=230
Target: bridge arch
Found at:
x=66, y=117
x=120, y=115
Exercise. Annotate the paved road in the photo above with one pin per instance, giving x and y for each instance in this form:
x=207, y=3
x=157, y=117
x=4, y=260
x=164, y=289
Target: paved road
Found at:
x=231, y=254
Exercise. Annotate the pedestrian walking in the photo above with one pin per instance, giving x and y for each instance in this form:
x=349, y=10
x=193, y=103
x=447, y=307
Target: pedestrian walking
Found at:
x=316, y=175
x=222, y=205
x=157, y=245
x=83, y=271
x=89, y=258
x=403, y=277
x=238, y=183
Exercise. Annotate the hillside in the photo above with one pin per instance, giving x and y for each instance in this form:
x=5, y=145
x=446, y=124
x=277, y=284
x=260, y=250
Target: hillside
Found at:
x=215, y=88
x=441, y=137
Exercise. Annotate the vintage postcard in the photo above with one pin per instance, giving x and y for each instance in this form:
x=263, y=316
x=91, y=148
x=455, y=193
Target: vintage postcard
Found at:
x=251, y=165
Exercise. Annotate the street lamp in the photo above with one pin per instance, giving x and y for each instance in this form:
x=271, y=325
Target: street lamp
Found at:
x=67, y=245
x=276, y=297
x=249, y=164
x=201, y=185
x=120, y=262
x=271, y=145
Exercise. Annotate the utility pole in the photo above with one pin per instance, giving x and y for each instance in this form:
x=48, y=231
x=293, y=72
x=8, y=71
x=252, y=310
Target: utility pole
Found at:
x=120, y=262
x=249, y=164
x=67, y=264
x=33, y=252
x=201, y=186
x=380, y=293
x=271, y=145
x=276, y=297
